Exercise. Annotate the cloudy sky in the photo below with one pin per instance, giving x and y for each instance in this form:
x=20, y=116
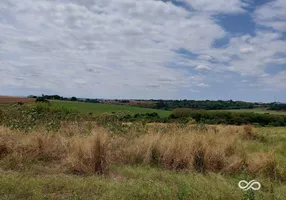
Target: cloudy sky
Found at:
x=170, y=49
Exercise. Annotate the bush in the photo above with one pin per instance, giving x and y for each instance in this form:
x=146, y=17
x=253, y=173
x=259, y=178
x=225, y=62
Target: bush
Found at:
x=27, y=117
x=42, y=100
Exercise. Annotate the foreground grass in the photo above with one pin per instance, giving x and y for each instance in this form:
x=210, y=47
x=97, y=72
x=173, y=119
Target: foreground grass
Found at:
x=98, y=108
x=153, y=161
x=130, y=182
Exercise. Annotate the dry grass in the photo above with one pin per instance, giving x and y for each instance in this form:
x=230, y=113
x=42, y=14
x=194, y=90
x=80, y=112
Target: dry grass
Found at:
x=263, y=163
x=184, y=151
x=216, y=149
x=249, y=133
x=88, y=155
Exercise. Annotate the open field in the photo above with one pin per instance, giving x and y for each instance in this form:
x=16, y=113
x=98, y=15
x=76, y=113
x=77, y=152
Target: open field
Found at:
x=153, y=161
x=98, y=108
x=7, y=100
x=259, y=110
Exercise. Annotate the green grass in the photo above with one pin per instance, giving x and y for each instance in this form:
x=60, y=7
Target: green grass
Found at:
x=258, y=110
x=130, y=182
x=98, y=108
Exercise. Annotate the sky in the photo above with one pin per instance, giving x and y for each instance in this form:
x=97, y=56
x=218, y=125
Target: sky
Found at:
x=144, y=49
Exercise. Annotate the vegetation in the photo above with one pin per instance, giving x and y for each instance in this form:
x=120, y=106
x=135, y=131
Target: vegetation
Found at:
x=49, y=151
x=73, y=99
x=259, y=111
x=155, y=161
x=173, y=104
x=99, y=108
x=204, y=105
x=277, y=107
x=32, y=116
x=216, y=105
x=52, y=114
x=225, y=117
x=42, y=99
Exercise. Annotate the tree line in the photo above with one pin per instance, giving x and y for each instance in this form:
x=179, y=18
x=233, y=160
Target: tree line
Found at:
x=231, y=118
x=173, y=104
x=46, y=98
x=215, y=105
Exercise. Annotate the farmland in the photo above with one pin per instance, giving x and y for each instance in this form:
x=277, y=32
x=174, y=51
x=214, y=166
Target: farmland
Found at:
x=99, y=108
x=8, y=99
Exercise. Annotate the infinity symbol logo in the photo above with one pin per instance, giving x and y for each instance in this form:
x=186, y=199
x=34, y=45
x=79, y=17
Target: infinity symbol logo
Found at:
x=244, y=185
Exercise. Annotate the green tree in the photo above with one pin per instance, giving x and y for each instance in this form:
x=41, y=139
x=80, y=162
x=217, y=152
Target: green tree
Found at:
x=73, y=99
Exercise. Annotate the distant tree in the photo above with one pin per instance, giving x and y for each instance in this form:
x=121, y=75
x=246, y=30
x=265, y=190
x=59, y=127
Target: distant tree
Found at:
x=160, y=104
x=57, y=97
x=42, y=99
x=124, y=101
x=73, y=99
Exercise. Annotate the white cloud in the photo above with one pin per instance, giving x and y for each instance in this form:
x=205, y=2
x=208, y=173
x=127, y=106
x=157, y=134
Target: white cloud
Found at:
x=276, y=82
x=217, y=6
x=203, y=67
x=202, y=85
x=249, y=55
x=204, y=57
x=195, y=91
x=264, y=75
x=114, y=47
x=246, y=49
x=127, y=48
x=272, y=14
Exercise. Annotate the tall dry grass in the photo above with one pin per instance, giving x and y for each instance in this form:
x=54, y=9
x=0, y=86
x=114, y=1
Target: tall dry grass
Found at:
x=88, y=155
x=211, y=149
x=183, y=150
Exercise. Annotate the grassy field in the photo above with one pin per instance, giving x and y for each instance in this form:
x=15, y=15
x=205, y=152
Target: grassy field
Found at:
x=259, y=110
x=154, y=161
x=133, y=182
x=98, y=108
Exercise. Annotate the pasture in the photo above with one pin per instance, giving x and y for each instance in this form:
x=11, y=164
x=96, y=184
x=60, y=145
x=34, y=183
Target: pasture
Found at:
x=99, y=108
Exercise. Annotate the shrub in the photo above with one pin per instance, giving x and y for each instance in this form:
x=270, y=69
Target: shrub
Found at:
x=42, y=100
x=28, y=117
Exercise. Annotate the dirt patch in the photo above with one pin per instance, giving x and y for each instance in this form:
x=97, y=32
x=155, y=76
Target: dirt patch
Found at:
x=8, y=99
